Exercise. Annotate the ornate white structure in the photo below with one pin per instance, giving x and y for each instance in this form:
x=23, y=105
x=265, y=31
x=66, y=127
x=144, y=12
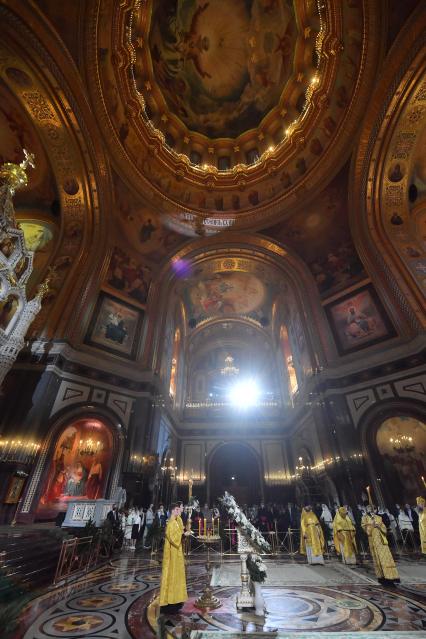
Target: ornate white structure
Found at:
x=80, y=512
x=244, y=598
x=16, y=265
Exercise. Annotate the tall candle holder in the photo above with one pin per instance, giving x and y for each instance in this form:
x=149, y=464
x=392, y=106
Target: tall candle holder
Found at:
x=207, y=600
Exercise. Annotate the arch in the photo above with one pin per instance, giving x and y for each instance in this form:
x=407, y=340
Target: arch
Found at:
x=38, y=483
x=39, y=71
x=289, y=268
x=369, y=425
x=249, y=344
x=236, y=487
x=382, y=224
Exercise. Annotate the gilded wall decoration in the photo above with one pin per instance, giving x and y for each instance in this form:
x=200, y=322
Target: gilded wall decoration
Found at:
x=387, y=210
x=53, y=101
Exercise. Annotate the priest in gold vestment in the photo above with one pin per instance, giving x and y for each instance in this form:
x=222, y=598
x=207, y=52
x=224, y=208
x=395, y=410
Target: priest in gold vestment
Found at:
x=173, y=581
x=311, y=537
x=384, y=564
x=422, y=523
x=344, y=536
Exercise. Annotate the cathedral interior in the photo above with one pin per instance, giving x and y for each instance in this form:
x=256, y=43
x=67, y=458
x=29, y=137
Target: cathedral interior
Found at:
x=212, y=278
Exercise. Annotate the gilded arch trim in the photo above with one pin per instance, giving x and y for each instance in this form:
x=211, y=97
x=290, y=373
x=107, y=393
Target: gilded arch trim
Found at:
x=61, y=115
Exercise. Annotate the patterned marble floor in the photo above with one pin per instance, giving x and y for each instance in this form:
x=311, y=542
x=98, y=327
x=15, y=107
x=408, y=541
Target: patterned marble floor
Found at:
x=119, y=601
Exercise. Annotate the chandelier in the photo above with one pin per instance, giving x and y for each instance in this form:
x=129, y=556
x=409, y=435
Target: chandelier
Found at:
x=90, y=447
x=402, y=443
x=169, y=468
x=229, y=368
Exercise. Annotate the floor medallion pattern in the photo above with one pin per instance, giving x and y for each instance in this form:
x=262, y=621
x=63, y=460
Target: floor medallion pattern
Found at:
x=120, y=601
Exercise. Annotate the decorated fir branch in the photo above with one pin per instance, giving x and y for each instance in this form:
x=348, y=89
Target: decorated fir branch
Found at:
x=246, y=528
x=256, y=568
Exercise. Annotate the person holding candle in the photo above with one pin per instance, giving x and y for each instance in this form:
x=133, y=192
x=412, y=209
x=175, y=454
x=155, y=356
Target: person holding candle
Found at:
x=375, y=529
x=173, y=593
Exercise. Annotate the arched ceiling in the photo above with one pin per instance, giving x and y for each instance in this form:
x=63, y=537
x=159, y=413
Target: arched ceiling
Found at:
x=231, y=287
x=230, y=116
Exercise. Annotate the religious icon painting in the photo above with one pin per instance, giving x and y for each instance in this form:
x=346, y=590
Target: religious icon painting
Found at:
x=128, y=278
x=79, y=466
x=115, y=326
x=358, y=320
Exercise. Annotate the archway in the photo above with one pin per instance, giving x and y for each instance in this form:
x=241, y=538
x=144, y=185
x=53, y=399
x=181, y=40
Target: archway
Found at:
x=398, y=448
x=234, y=467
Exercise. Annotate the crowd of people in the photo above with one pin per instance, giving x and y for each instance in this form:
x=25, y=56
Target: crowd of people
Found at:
x=315, y=529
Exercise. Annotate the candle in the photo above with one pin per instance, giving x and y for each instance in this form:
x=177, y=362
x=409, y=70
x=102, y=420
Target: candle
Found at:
x=199, y=527
x=369, y=495
x=204, y=525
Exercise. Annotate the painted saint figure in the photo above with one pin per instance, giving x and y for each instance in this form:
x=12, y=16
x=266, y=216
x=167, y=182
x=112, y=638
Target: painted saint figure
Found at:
x=94, y=480
x=344, y=536
x=422, y=522
x=311, y=537
x=384, y=564
x=173, y=592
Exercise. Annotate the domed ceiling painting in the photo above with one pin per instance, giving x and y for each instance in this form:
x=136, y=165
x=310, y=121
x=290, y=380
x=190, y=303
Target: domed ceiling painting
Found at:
x=225, y=113
x=221, y=66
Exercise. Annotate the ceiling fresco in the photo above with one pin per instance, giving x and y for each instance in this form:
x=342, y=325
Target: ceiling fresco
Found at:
x=221, y=66
x=140, y=227
x=230, y=123
x=230, y=287
x=227, y=293
x=320, y=234
x=41, y=235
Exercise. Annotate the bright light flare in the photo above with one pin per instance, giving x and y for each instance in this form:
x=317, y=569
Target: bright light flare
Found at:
x=244, y=394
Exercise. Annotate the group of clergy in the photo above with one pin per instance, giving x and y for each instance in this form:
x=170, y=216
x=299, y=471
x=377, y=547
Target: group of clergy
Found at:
x=312, y=542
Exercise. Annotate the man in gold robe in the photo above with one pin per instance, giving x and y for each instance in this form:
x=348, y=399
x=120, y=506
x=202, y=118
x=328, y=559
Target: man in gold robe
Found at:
x=384, y=564
x=311, y=537
x=344, y=536
x=173, y=592
x=422, y=523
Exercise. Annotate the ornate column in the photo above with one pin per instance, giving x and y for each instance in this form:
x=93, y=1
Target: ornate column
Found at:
x=16, y=265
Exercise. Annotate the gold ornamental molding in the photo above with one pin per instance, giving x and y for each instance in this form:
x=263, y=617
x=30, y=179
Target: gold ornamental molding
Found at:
x=387, y=212
x=287, y=172
x=38, y=70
